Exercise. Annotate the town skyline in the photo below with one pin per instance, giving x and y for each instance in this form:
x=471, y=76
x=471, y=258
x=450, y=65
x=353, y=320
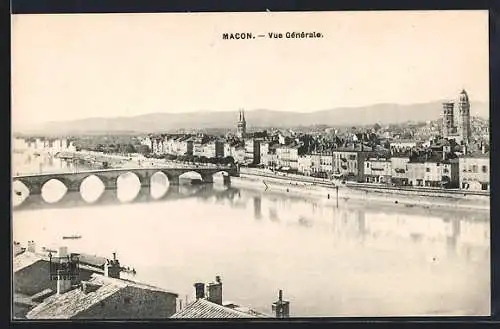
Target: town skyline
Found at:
x=104, y=74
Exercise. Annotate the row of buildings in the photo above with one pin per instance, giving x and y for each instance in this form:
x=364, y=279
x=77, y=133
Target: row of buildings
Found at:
x=437, y=163
x=417, y=167
x=43, y=144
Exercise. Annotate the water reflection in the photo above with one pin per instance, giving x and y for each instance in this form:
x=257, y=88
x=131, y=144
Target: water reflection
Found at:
x=111, y=197
x=257, y=206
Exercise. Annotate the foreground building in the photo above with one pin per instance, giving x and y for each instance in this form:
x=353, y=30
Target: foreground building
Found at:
x=94, y=293
x=433, y=171
x=105, y=297
x=399, y=170
x=474, y=170
x=209, y=305
x=288, y=157
x=349, y=163
x=378, y=170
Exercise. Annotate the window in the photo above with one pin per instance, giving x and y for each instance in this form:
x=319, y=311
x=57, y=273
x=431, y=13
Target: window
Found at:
x=428, y=169
x=484, y=186
x=445, y=170
x=474, y=168
x=484, y=169
x=352, y=157
x=127, y=300
x=367, y=165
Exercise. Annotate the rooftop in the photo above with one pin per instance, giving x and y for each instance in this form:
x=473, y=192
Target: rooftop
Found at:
x=75, y=301
x=396, y=141
x=477, y=155
x=24, y=260
x=203, y=309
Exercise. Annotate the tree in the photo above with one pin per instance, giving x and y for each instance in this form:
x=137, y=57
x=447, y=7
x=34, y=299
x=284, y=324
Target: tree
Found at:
x=129, y=148
x=229, y=160
x=170, y=157
x=143, y=149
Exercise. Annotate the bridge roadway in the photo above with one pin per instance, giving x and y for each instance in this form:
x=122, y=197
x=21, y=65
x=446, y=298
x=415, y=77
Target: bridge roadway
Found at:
x=109, y=177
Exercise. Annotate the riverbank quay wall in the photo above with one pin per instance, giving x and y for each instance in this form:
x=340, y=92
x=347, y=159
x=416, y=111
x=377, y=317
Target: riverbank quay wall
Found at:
x=349, y=194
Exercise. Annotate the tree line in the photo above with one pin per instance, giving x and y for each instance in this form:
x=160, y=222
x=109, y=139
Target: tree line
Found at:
x=228, y=160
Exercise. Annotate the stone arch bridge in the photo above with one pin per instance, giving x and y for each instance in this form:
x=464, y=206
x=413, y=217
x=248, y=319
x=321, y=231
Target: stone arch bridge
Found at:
x=109, y=177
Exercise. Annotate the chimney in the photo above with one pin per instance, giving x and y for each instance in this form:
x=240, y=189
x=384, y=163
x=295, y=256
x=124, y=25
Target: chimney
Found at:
x=199, y=290
x=63, y=281
x=112, y=268
x=74, y=264
x=62, y=252
x=281, y=308
x=214, y=291
x=31, y=246
x=17, y=248
x=64, y=274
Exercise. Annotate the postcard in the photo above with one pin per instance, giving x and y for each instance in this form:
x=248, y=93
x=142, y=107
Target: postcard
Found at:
x=250, y=165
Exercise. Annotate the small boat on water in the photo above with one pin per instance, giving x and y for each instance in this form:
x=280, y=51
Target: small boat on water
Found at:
x=71, y=237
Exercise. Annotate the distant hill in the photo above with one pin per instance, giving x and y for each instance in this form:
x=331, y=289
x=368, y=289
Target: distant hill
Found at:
x=163, y=122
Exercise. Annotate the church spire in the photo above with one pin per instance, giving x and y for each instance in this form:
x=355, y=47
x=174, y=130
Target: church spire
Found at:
x=242, y=125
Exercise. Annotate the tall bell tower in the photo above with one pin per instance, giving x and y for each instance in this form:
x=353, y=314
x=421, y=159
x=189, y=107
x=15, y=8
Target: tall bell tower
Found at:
x=242, y=125
x=464, y=117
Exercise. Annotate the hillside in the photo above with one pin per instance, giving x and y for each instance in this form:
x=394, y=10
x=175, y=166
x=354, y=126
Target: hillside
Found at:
x=162, y=122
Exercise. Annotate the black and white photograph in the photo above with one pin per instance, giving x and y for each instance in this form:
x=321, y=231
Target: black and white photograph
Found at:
x=250, y=165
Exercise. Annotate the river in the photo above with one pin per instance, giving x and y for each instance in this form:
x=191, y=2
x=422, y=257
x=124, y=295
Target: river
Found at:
x=359, y=260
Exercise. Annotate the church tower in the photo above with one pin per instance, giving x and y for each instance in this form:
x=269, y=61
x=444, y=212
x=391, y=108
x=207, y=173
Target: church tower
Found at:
x=242, y=125
x=448, y=122
x=464, y=117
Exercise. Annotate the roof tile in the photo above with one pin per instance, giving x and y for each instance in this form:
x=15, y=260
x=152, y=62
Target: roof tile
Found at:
x=73, y=302
x=203, y=309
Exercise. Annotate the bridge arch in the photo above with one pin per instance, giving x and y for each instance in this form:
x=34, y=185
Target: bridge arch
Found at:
x=222, y=177
x=20, y=192
x=192, y=175
x=128, y=186
x=159, y=183
x=54, y=189
x=91, y=188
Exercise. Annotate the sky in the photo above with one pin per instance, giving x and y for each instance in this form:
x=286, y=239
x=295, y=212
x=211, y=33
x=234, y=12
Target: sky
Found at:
x=68, y=67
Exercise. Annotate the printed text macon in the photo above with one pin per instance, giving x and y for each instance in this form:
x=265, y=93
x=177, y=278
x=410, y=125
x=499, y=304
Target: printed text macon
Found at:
x=271, y=35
